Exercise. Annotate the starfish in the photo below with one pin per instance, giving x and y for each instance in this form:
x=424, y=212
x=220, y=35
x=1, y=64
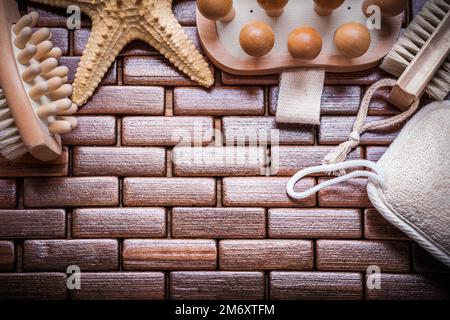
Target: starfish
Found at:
x=117, y=22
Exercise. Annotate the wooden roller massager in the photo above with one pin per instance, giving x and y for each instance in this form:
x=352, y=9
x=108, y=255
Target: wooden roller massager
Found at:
x=34, y=96
x=299, y=39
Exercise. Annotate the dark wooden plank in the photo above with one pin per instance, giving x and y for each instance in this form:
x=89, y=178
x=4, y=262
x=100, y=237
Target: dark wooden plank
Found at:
x=314, y=223
x=216, y=285
x=32, y=224
x=218, y=223
x=169, y=254
x=316, y=286
x=33, y=286
x=121, y=286
x=357, y=255
x=119, y=223
x=57, y=255
x=265, y=255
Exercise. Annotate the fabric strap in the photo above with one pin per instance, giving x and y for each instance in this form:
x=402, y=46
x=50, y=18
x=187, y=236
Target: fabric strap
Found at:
x=300, y=95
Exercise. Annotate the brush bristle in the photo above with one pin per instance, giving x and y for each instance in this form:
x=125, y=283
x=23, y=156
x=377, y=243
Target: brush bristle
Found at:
x=409, y=45
x=11, y=145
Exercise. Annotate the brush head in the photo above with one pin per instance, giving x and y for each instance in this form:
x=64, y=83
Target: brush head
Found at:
x=34, y=96
x=414, y=39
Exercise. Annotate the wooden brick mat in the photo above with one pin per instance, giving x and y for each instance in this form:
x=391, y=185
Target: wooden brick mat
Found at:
x=142, y=221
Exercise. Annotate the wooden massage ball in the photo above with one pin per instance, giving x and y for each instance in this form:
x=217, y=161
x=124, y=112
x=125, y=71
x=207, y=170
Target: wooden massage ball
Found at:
x=217, y=10
x=352, y=39
x=389, y=8
x=257, y=38
x=273, y=8
x=326, y=7
x=305, y=43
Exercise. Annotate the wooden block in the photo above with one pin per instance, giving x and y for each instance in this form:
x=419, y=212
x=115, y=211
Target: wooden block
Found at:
x=169, y=254
x=411, y=287
x=7, y=256
x=379, y=106
x=260, y=80
x=216, y=285
x=167, y=131
x=73, y=62
x=336, y=100
x=219, y=161
x=123, y=161
x=134, y=48
x=184, y=11
x=57, y=255
x=219, y=101
x=156, y=71
x=316, y=286
x=376, y=227
x=121, y=286
x=8, y=193
x=314, y=223
x=263, y=130
x=374, y=153
x=169, y=192
x=357, y=255
x=119, y=223
x=335, y=130
x=351, y=193
x=71, y=192
x=423, y=262
x=27, y=166
x=49, y=16
x=365, y=77
x=288, y=160
x=265, y=255
x=93, y=130
x=33, y=286
x=264, y=192
x=32, y=224
x=126, y=100
x=218, y=223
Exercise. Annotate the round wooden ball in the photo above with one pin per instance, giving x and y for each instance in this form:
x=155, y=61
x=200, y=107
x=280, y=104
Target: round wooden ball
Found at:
x=273, y=5
x=352, y=39
x=215, y=9
x=325, y=7
x=389, y=8
x=257, y=38
x=305, y=43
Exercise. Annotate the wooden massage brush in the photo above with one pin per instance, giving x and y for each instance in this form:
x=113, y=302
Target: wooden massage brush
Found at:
x=299, y=39
x=421, y=57
x=34, y=97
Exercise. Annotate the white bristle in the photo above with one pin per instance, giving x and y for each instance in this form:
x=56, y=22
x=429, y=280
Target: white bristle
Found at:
x=409, y=45
x=11, y=146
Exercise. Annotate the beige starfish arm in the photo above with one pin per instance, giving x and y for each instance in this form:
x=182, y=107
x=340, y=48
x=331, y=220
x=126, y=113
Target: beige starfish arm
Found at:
x=106, y=41
x=165, y=34
x=86, y=6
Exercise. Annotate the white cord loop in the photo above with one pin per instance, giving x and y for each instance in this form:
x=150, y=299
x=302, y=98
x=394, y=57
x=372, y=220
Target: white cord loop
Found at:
x=375, y=175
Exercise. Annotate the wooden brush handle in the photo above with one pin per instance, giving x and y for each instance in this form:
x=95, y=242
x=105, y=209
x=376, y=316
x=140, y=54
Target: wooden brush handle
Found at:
x=34, y=133
x=412, y=83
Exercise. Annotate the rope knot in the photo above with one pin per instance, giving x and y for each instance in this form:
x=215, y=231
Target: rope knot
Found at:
x=355, y=138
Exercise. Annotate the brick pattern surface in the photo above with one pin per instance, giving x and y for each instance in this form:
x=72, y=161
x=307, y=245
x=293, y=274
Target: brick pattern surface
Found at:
x=147, y=213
